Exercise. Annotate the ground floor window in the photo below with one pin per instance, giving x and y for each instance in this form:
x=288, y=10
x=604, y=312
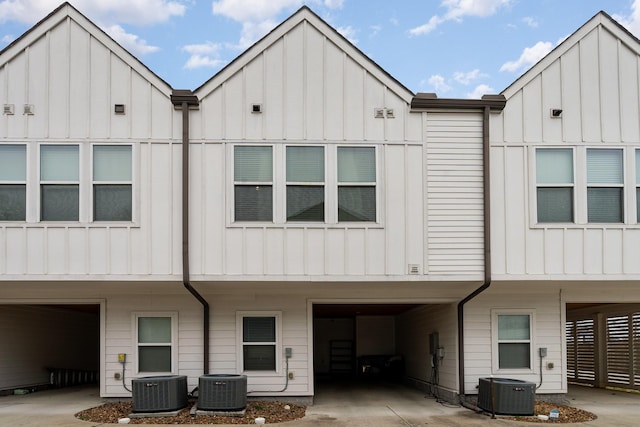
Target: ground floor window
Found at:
x=513, y=346
x=259, y=337
x=155, y=337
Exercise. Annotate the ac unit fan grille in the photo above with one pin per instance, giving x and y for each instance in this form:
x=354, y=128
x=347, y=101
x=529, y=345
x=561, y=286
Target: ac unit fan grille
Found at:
x=222, y=392
x=510, y=397
x=159, y=394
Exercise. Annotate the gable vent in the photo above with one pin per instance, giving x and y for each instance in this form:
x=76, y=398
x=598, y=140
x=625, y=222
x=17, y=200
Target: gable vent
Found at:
x=28, y=109
x=7, y=109
x=378, y=113
x=414, y=269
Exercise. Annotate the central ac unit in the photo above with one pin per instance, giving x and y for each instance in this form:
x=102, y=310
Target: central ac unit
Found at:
x=506, y=396
x=222, y=392
x=159, y=394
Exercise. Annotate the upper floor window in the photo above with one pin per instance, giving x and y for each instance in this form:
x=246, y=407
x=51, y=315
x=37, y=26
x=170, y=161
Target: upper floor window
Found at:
x=112, y=183
x=312, y=183
x=13, y=182
x=554, y=179
x=638, y=185
x=59, y=183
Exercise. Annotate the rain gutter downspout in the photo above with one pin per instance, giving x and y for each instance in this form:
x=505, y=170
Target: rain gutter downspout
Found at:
x=185, y=100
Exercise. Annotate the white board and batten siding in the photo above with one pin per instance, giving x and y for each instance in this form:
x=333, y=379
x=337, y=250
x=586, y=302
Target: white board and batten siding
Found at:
x=72, y=75
x=593, y=77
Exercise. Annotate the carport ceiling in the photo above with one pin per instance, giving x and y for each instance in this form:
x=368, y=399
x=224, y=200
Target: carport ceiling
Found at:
x=353, y=310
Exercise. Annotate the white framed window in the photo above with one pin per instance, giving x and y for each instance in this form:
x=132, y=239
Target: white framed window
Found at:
x=156, y=338
x=605, y=185
x=555, y=184
x=637, y=153
x=513, y=332
x=312, y=183
x=259, y=338
x=112, y=183
x=13, y=182
x=59, y=182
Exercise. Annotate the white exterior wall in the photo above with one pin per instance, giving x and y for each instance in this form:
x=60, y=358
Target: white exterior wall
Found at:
x=593, y=78
x=73, y=74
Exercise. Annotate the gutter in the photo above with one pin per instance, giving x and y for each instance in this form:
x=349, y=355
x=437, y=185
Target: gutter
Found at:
x=185, y=100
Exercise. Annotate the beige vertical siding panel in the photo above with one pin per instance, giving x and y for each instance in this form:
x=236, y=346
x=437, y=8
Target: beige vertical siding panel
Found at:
x=353, y=101
x=294, y=85
x=609, y=86
x=574, y=251
x=213, y=213
x=374, y=97
x=78, y=250
x=593, y=255
x=253, y=94
x=120, y=94
x=274, y=251
x=232, y=107
x=630, y=251
x=395, y=214
x=98, y=250
x=79, y=82
x=629, y=108
x=591, y=88
x=234, y=254
x=295, y=257
x=513, y=120
x=414, y=183
x=534, y=248
x=100, y=85
x=532, y=110
x=396, y=129
x=274, y=81
x=16, y=79
x=572, y=95
x=211, y=116
x=57, y=249
x=314, y=84
x=118, y=251
x=498, y=211
x=551, y=99
x=197, y=213
x=376, y=246
x=161, y=224
x=554, y=255
x=4, y=98
x=36, y=87
x=254, y=251
x=59, y=81
x=163, y=117
x=356, y=249
x=516, y=222
x=336, y=251
x=334, y=75
x=174, y=245
x=612, y=246
x=316, y=250
x=36, y=254
x=139, y=109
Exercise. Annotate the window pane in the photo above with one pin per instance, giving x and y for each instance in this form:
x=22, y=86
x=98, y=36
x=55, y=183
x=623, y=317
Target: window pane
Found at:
x=513, y=327
x=154, y=359
x=112, y=202
x=258, y=329
x=112, y=163
x=259, y=357
x=253, y=164
x=13, y=202
x=59, y=163
x=604, y=204
x=305, y=203
x=154, y=329
x=13, y=163
x=514, y=355
x=555, y=204
x=59, y=202
x=356, y=164
x=604, y=167
x=305, y=164
x=356, y=204
x=253, y=203
x=554, y=166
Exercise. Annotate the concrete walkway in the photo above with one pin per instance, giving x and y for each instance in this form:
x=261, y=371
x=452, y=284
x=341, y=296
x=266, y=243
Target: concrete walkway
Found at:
x=335, y=405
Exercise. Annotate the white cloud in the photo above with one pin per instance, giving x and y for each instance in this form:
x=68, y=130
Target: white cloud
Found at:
x=349, y=33
x=438, y=83
x=375, y=29
x=206, y=48
x=131, y=42
x=199, y=61
x=529, y=56
x=631, y=22
x=530, y=21
x=203, y=55
x=8, y=38
x=458, y=9
x=479, y=91
x=468, y=77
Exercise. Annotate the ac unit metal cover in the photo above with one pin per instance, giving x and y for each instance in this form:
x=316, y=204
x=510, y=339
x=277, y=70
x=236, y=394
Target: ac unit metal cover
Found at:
x=222, y=392
x=159, y=393
x=510, y=397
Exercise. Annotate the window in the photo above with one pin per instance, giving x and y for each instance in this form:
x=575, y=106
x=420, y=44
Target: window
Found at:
x=513, y=332
x=253, y=183
x=554, y=180
x=13, y=182
x=155, y=342
x=59, y=183
x=112, y=183
x=605, y=185
x=638, y=186
x=305, y=184
x=259, y=341
x=356, y=184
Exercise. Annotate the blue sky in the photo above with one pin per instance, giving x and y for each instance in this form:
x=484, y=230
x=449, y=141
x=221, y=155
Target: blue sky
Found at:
x=456, y=48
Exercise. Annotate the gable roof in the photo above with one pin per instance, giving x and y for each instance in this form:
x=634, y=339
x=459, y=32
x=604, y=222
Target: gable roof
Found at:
x=304, y=14
x=600, y=19
x=67, y=11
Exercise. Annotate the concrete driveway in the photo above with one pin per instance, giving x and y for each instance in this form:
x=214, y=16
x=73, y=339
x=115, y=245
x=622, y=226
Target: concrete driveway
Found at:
x=335, y=405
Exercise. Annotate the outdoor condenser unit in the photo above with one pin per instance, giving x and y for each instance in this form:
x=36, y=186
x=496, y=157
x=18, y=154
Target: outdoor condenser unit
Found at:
x=510, y=397
x=222, y=392
x=159, y=394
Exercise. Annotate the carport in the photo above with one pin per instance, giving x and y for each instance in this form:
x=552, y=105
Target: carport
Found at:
x=603, y=345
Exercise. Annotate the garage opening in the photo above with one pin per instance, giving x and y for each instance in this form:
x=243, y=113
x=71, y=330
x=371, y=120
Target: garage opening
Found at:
x=603, y=345
x=48, y=346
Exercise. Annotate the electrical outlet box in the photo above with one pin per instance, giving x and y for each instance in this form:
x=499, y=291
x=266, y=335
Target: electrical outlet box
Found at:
x=288, y=352
x=291, y=375
x=543, y=351
x=116, y=376
x=550, y=365
x=122, y=357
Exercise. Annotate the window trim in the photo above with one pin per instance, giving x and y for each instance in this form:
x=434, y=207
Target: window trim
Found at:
x=24, y=182
x=174, y=340
x=240, y=315
x=495, y=350
x=93, y=183
x=79, y=182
